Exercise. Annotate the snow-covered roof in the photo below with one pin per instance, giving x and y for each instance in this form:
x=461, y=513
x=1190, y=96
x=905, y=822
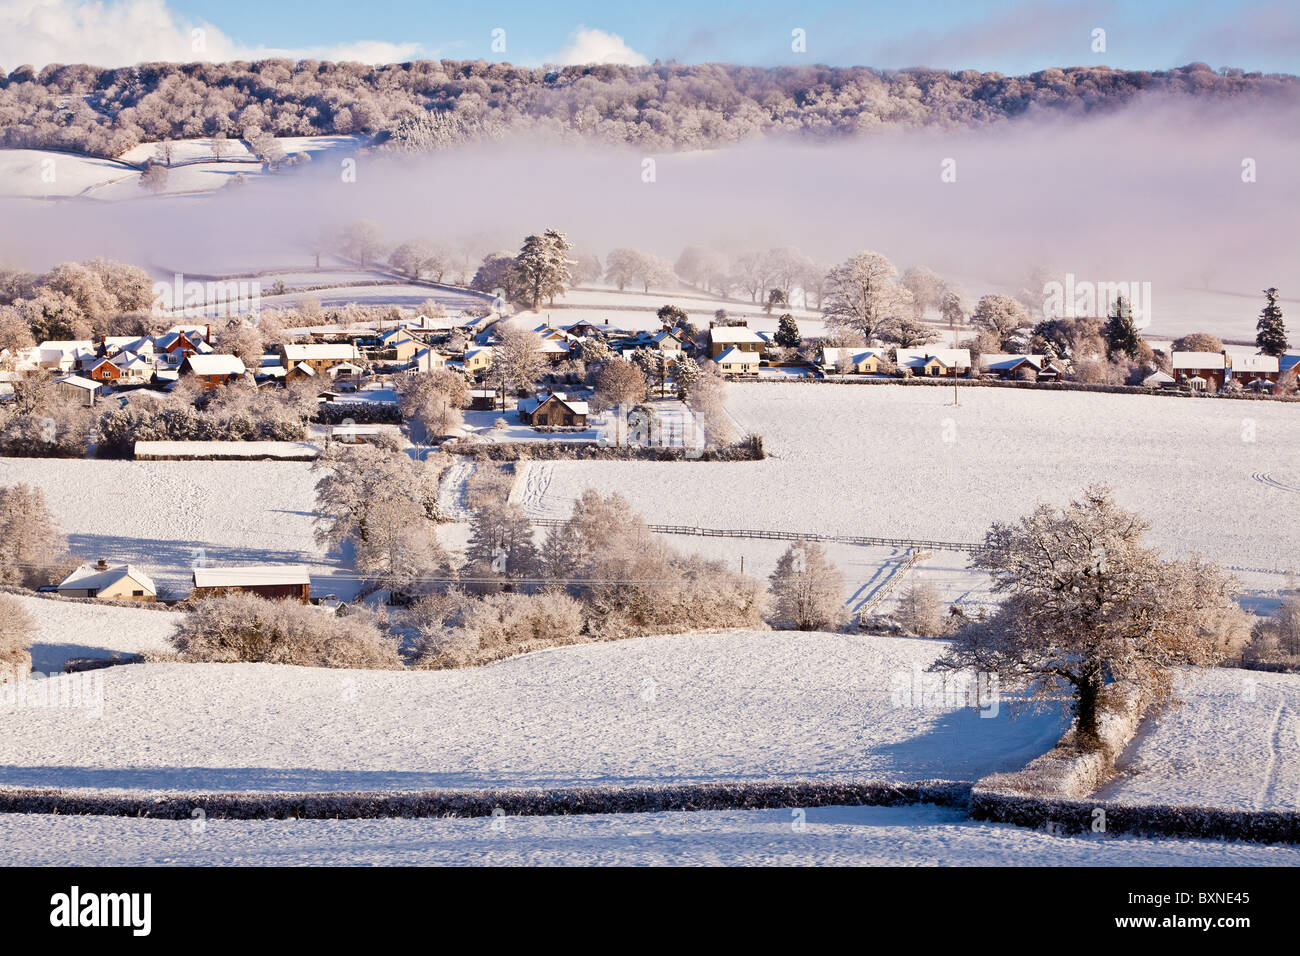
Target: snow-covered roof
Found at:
x=734, y=334
x=734, y=356
x=78, y=382
x=833, y=355
x=553, y=347
x=481, y=350
x=304, y=369
x=1255, y=363
x=215, y=365
x=1006, y=361
x=265, y=575
x=1158, y=378
x=1198, y=360
x=320, y=352
x=90, y=577
x=949, y=358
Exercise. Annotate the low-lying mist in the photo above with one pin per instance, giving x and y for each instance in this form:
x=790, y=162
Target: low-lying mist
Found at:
x=1173, y=192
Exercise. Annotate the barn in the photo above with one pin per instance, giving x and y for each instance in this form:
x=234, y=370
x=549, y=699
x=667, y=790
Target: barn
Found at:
x=272, y=581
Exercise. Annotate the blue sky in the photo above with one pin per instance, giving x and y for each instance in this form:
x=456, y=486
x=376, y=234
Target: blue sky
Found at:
x=1010, y=36
x=1007, y=36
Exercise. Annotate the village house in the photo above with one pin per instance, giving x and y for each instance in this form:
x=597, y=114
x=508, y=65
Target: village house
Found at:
x=1199, y=370
x=737, y=363
x=288, y=582
x=738, y=337
x=478, y=360
x=74, y=388
x=932, y=363
x=319, y=357
x=554, y=351
x=58, y=356
x=213, y=371
x=1254, y=370
x=396, y=345
x=180, y=342
x=553, y=409
x=1019, y=367
x=860, y=361
x=123, y=582
x=428, y=360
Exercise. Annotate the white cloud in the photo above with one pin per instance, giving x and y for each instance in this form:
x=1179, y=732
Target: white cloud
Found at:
x=123, y=32
x=597, y=46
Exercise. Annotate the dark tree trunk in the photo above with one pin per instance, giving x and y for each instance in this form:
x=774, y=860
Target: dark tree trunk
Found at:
x=1088, y=711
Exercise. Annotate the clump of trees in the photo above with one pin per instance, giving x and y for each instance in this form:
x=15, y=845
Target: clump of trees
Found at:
x=385, y=506
x=33, y=551
x=74, y=301
x=251, y=629
x=539, y=271
x=1088, y=606
x=1276, y=639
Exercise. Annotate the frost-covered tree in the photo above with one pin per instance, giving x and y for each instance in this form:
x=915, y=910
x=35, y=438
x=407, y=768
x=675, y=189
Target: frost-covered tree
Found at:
x=1087, y=604
x=353, y=479
x=619, y=382
x=686, y=372
x=16, y=631
x=400, y=552
x=1270, y=334
x=1198, y=342
x=908, y=333
x=787, y=332
x=807, y=590
x=500, y=546
x=954, y=304
x=517, y=359
x=154, y=177
x=542, y=267
x=362, y=241
x=31, y=545
x=919, y=610
x=862, y=296
x=1000, y=314
x=707, y=398
x=926, y=286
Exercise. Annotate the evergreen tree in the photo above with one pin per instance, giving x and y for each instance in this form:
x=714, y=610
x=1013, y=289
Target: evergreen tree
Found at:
x=543, y=267
x=787, y=332
x=1271, y=334
x=1120, y=333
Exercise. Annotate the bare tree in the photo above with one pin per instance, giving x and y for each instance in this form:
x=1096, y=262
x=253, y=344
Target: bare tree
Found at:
x=919, y=610
x=807, y=590
x=1088, y=605
x=619, y=382
x=16, y=629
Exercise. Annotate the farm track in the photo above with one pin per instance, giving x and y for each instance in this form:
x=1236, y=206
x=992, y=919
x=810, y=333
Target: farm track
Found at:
x=1265, y=478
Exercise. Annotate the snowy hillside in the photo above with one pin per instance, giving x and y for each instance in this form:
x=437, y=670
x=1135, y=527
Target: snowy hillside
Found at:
x=736, y=706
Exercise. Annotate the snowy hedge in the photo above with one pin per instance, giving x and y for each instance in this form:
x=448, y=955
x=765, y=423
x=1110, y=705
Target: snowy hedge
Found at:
x=360, y=413
x=482, y=803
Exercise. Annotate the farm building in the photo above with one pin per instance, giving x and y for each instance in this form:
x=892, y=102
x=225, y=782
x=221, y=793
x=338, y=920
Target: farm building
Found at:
x=1199, y=370
x=273, y=581
x=122, y=582
x=1159, y=379
x=554, y=409
x=213, y=370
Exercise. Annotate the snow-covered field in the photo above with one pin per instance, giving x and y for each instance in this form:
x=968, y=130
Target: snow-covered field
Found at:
x=165, y=516
x=842, y=836
x=67, y=629
x=901, y=461
x=1234, y=743
x=734, y=706
x=34, y=173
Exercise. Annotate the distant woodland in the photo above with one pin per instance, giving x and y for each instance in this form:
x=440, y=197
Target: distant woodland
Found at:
x=433, y=104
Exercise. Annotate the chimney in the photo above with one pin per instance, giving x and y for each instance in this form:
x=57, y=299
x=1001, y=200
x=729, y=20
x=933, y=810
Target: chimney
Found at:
x=101, y=565
x=207, y=335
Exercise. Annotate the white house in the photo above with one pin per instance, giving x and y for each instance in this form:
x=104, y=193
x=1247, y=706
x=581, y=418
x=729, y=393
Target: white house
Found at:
x=123, y=582
x=734, y=361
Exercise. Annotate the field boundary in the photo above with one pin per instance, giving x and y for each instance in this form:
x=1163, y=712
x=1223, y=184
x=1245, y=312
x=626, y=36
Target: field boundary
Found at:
x=763, y=534
x=558, y=801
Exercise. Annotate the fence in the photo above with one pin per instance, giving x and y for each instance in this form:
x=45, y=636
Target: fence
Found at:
x=765, y=534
